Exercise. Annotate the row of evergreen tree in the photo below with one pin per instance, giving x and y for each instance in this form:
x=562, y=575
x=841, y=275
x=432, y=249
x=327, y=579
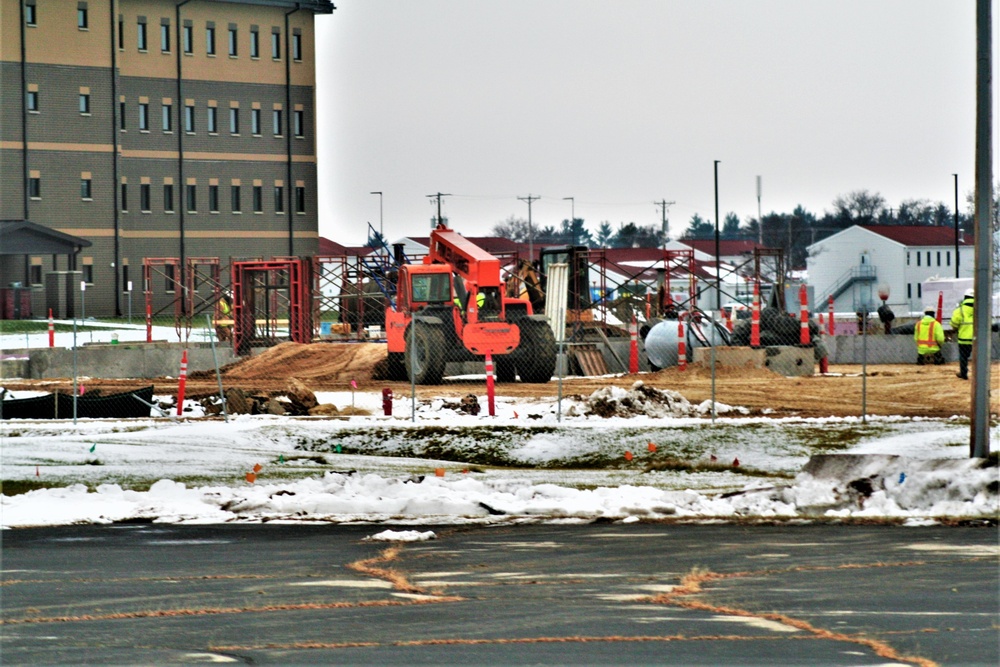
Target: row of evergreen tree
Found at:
x=793, y=232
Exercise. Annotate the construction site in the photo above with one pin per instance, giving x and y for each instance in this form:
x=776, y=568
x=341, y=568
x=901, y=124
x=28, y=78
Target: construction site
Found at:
x=459, y=318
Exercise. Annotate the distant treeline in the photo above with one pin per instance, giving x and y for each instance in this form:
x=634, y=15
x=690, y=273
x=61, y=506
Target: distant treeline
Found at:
x=791, y=231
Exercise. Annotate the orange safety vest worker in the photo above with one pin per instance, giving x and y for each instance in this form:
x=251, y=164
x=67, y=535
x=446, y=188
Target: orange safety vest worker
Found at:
x=929, y=335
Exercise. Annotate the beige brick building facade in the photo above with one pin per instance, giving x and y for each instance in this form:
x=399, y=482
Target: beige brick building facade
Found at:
x=157, y=129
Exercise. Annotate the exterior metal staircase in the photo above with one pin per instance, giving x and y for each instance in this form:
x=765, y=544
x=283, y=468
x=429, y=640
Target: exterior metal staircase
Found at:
x=864, y=273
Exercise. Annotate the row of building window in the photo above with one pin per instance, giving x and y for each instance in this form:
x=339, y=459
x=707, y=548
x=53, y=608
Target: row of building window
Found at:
x=187, y=35
x=190, y=117
x=190, y=196
x=918, y=253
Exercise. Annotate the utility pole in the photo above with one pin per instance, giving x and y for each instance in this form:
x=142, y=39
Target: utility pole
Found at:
x=979, y=441
x=438, y=197
x=664, y=205
x=531, y=235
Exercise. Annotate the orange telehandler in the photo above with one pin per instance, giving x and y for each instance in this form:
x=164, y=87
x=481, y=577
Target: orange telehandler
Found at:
x=453, y=308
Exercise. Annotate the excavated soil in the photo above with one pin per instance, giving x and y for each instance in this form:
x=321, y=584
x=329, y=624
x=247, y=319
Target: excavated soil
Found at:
x=929, y=391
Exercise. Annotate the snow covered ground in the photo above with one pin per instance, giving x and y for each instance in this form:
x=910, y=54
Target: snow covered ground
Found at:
x=520, y=466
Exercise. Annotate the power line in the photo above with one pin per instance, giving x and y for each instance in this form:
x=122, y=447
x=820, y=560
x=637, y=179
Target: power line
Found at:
x=531, y=239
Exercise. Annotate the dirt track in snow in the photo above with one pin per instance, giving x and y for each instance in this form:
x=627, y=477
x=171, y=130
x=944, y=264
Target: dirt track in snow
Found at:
x=928, y=391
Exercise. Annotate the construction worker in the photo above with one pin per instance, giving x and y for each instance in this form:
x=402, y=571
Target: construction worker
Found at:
x=225, y=312
x=961, y=322
x=929, y=337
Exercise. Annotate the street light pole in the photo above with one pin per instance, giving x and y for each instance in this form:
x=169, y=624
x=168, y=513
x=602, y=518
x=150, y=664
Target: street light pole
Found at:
x=760, y=220
x=718, y=266
x=379, y=193
x=956, y=225
x=572, y=214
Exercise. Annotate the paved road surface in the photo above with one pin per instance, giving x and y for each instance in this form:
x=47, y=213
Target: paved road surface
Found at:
x=596, y=594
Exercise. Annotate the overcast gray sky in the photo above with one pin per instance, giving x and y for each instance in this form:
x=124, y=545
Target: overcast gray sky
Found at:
x=620, y=103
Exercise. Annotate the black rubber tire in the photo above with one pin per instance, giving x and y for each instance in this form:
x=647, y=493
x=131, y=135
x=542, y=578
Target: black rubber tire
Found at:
x=396, y=366
x=424, y=359
x=535, y=356
x=503, y=368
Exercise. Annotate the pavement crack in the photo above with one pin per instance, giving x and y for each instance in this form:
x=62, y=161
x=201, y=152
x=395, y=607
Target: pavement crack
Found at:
x=692, y=584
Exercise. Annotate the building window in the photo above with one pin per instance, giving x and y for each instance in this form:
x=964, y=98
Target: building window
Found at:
x=121, y=32
x=920, y=291
x=188, y=39
x=213, y=199
x=918, y=259
x=254, y=43
x=121, y=116
x=35, y=275
x=141, y=35
x=192, y=202
x=31, y=14
x=234, y=120
x=300, y=199
x=928, y=260
x=213, y=120
x=907, y=258
x=35, y=187
x=210, y=40
x=125, y=281
x=144, y=116
x=189, y=118
x=32, y=100
x=168, y=112
x=299, y=117
x=86, y=191
x=276, y=118
x=233, y=42
x=296, y=46
x=168, y=197
x=909, y=290
x=939, y=258
x=84, y=103
x=170, y=282
x=947, y=258
x=124, y=197
x=88, y=274
x=237, y=205
x=144, y=198
x=255, y=122
x=276, y=44
x=279, y=199
x=81, y=16
x=258, y=199
x=165, y=37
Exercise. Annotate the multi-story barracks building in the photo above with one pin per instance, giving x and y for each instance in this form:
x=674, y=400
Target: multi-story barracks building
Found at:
x=136, y=129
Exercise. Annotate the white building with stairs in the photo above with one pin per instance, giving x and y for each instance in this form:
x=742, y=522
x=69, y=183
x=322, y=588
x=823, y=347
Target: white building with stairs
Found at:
x=855, y=264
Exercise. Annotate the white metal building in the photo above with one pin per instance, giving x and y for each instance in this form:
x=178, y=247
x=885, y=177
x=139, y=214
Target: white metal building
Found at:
x=855, y=264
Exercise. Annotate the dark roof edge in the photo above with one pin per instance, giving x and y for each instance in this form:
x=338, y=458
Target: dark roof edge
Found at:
x=315, y=6
x=14, y=225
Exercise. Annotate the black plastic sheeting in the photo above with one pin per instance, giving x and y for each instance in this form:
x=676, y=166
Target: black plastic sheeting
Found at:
x=125, y=405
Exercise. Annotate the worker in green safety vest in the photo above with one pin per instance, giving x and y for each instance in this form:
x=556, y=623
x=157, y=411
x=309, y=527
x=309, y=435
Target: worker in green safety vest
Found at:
x=962, y=323
x=929, y=337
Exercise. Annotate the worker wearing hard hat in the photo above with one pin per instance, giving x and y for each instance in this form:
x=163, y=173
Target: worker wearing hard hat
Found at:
x=929, y=337
x=961, y=322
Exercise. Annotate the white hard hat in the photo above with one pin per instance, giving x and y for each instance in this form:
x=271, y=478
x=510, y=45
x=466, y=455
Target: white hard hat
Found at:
x=970, y=292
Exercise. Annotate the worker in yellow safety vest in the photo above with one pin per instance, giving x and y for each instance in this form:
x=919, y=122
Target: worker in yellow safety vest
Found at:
x=961, y=322
x=224, y=330
x=929, y=336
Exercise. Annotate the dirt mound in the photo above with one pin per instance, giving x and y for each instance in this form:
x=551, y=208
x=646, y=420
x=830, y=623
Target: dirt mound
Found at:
x=316, y=363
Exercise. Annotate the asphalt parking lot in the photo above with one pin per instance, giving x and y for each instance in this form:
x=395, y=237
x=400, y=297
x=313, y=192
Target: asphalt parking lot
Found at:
x=542, y=594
